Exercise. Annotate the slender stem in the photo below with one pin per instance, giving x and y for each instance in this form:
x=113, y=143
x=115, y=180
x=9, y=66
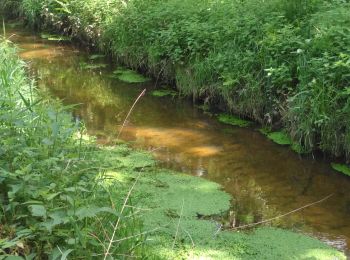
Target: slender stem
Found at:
x=283, y=215
x=131, y=109
x=118, y=221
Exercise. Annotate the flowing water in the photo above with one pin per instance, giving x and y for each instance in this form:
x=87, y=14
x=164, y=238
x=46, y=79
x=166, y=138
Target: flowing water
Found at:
x=265, y=179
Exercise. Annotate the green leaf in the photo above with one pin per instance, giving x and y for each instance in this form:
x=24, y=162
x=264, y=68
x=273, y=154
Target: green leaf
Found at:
x=12, y=257
x=37, y=210
x=66, y=253
x=92, y=211
x=129, y=76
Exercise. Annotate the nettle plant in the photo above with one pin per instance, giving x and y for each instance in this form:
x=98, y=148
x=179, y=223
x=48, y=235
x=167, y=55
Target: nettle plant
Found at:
x=53, y=197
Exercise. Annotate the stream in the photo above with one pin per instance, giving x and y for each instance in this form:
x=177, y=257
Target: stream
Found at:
x=265, y=179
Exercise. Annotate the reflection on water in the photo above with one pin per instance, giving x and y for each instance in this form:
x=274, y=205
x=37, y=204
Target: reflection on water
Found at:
x=265, y=180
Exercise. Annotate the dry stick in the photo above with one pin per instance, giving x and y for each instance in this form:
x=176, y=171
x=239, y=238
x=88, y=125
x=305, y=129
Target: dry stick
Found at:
x=283, y=215
x=121, y=213
x=131, y=109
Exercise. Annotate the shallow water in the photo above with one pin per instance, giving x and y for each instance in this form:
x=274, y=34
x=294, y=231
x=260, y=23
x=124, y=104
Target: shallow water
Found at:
x=265, y=179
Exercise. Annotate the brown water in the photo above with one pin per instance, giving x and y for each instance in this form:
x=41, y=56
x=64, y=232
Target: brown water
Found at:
x=265, y=179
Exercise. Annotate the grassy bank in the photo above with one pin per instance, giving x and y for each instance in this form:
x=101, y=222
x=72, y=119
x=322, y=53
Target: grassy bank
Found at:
x=282, y=63
x=62, y=196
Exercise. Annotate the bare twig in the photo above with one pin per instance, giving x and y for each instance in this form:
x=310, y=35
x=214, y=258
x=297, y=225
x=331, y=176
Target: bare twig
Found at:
x=131, y=109
x=283, y=215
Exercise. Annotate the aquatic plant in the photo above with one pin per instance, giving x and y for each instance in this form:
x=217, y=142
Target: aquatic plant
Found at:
x=55, y=37
x=343, y=168
x=233, y=120
x=129, y=76
x=92, y=66
x=164, y=93
x=280, y=137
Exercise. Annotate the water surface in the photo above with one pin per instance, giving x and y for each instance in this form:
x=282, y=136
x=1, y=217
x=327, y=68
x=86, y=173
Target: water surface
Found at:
x=264, y=179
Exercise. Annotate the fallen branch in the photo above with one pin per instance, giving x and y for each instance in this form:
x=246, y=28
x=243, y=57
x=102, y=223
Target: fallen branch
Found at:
x=283, y=215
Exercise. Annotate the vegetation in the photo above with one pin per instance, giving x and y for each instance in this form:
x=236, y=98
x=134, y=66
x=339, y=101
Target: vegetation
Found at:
x=164, y=93
x=341, y=168
x=54, y=198
x=233, y=120
x=129, y=76
x=278, y=62
x=60, y=194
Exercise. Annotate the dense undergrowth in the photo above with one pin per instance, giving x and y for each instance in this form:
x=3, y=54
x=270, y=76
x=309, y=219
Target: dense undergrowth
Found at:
x=282, y=63
x=61, y=196
x=54, y=199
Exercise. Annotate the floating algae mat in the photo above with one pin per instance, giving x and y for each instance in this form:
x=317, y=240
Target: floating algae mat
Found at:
x=173, y=204
x=129, y=76
x=343, y=168
x=233, y=120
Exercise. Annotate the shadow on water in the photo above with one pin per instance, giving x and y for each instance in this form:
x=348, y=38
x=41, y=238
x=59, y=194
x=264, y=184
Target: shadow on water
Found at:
x=265, y=179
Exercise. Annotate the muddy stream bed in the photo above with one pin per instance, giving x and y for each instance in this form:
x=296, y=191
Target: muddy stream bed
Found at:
x=265, y=179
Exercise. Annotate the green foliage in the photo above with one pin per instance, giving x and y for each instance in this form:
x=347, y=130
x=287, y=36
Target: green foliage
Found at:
x=53, y=198
x=276, y=61
x=232, y=120
x=343, y=168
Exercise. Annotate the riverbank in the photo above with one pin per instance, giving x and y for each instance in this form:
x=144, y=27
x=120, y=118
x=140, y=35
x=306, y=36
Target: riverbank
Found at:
x=54, y=199
x=60, y=192
x=271, y=61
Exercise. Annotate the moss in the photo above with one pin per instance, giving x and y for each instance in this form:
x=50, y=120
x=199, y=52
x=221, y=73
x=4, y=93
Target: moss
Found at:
x=232, y=120
x=164, y=92
x=129, y=76
x=343, y=168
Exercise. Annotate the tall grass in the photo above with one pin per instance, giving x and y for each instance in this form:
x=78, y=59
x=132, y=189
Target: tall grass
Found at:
x=263, y=59
x=54, y=200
